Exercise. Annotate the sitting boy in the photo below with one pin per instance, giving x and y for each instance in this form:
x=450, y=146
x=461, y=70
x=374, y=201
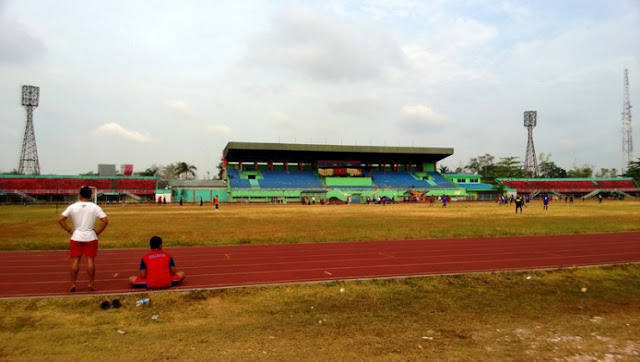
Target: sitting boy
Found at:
x=157, y=269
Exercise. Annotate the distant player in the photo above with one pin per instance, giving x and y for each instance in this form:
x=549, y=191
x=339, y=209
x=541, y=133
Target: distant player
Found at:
x=519, y=202
x=157, y=269
x=215, y=202
x=545, y=202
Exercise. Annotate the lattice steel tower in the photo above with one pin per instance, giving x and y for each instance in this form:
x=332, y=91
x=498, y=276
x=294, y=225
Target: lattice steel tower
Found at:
x=530, y=161
x=29, y=163
x=627, y=139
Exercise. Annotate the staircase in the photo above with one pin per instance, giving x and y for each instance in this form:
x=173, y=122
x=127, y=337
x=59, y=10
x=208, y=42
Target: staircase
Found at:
x=133, y=196
x=25, y=196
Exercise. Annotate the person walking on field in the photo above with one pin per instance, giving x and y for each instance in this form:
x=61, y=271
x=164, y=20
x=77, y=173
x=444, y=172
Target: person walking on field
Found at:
x=545, y=202
x=84, y=235
x=215, y=202
x=157, y=269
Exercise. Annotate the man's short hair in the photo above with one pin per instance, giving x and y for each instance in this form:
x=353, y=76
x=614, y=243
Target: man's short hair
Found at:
x=155, y=242
x=85, y=192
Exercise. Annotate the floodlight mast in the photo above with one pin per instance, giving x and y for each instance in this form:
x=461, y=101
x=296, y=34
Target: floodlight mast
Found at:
x=530, y=161
x=29, y=163
x=627, y=139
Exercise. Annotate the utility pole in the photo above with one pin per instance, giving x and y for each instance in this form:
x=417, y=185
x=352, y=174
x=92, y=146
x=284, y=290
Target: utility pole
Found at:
x=627, y=138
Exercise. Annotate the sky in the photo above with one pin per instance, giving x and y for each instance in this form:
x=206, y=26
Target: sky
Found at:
x=153, y=83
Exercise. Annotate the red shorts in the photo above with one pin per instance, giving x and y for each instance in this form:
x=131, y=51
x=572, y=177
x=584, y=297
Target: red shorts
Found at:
x=80, y=248
x=142, y=283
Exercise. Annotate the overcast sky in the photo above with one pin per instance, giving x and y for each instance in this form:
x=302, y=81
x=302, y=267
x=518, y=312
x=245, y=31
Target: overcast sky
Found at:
x=155, y=82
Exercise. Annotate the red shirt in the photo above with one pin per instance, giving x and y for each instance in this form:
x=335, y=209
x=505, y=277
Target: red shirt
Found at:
x=157, y=264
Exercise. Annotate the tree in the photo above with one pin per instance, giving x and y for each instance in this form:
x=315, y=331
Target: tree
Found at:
x=580, y=171
x=481, y=165
x=633, y=170
x=90, y=173
x=183, y=168
x=508, y=167
x=220, y=169
x=548, y=169
x=605, y=172
x=444, y=169
x=151, y=171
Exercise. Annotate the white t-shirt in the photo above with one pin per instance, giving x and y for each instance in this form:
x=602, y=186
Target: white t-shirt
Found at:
x=84, y=215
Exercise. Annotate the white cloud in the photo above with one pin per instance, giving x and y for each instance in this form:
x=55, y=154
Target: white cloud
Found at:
x=420, y=118
x=114, y=129
x=179, y=106
x=220, y=130
x=281, y=121
x=323, y=48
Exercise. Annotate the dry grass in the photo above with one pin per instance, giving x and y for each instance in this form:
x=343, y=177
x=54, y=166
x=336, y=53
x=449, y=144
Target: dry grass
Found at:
x=498, y=316
x=35, y=227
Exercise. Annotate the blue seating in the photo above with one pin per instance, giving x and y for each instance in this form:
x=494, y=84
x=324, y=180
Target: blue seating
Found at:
x=398, y=180
x=280, y=179
x=235, y=181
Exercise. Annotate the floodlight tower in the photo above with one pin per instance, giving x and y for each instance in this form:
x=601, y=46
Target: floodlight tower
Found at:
x=530, y=161
x=29, y=163
x=627, y=140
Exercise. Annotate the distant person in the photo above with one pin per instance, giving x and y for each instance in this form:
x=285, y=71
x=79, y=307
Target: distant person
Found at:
x=444, y=201
x=600, y=198
x=545, y=202
x=84, y=236
x=571, y=199
x=519, y=201
x=215, y=202
x=201, y=201
x=157, y=269
x=181, y=201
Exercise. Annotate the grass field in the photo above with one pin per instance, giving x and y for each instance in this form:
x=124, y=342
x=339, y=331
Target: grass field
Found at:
x=580, y=314
x=35, y=227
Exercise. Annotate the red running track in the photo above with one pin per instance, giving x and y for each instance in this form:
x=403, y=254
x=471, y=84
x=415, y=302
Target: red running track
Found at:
x=45, y=273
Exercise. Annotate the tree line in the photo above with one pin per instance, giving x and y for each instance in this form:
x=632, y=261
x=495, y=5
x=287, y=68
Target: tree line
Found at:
x=511, y=167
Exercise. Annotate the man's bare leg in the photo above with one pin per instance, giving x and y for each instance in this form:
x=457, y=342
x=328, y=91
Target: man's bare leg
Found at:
x=75, y=265
x=91, y=270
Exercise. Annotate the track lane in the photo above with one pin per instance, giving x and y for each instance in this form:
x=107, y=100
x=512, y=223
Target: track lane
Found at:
x=45, y=273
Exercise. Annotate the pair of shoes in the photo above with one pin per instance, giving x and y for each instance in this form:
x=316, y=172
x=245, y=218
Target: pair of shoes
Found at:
x=92, y=288
x=114, y=303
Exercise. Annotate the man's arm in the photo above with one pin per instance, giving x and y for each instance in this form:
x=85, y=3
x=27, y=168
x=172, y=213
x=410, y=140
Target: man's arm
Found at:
x=103, y=224
x=172, y=270
x=62, y=220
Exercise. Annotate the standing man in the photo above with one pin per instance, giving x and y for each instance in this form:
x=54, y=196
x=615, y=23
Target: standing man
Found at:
x=545, y=202
x=215, y=202
x=84, y=235
x=519, y=202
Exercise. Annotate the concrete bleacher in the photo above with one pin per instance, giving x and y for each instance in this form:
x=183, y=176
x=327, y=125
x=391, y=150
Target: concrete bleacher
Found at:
x=398, y=180
x=280, y=179
x=623, y=185
x=578, y=186
x=70, y=185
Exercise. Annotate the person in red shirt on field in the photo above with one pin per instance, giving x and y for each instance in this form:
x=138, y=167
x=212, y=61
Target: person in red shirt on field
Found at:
x=157, y=269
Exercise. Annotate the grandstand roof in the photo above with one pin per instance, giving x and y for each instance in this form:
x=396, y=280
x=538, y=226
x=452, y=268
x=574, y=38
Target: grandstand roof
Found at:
x=280, y=152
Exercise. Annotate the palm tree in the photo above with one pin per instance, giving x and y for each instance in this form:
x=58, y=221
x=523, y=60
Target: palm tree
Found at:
x=186, y=169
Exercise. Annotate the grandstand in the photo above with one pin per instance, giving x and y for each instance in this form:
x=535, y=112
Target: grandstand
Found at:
x=56, y=188
x=264, y=172
x=580, y=187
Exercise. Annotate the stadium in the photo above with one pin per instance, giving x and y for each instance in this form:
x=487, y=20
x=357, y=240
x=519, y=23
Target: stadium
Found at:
x=285, y=173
